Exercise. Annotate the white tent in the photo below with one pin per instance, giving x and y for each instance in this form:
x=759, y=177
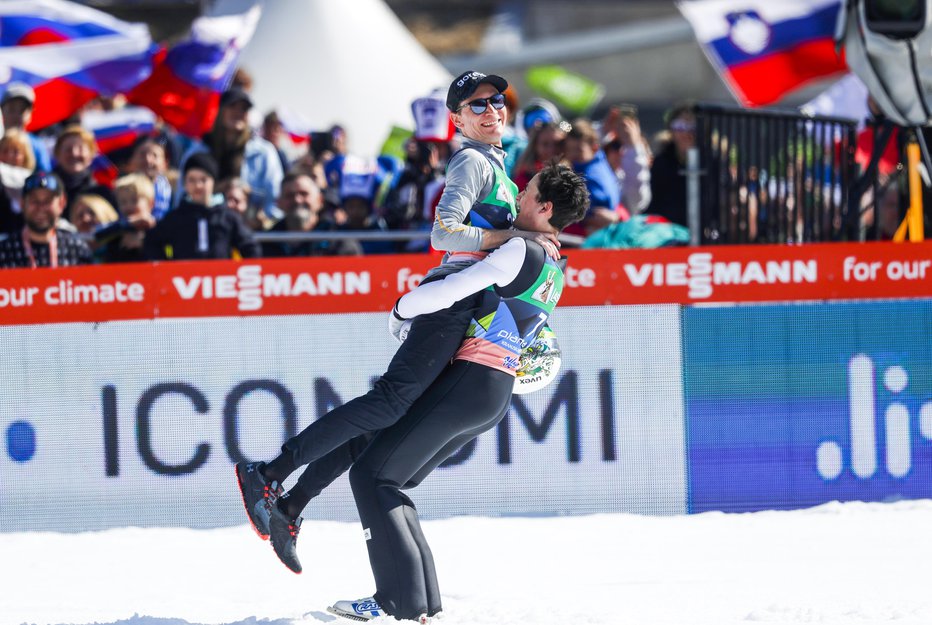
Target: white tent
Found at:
x=349, y=63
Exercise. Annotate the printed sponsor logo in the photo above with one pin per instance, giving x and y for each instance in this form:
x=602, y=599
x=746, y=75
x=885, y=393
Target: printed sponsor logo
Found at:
x=511, y=362
x=67, y=292
x=864, y=441
x=408, y=281
x=470, y=76
x=525, y=380
x=701, y=273
x=249, y=286
x=366, y=606
x=584, y=277
x=854, y=270
x=511, y=337
x=504, y=196
x=545, y=292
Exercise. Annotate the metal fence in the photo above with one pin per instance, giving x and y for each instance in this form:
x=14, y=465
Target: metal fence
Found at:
x=775, y=177
x=370, y=235
x=884, y=186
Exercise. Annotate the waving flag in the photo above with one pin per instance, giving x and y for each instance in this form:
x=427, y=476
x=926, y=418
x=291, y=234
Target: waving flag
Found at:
x=69, y=54
x=845, y=98
x=104, y=171
x=35, y=22
x=432, y=121
x=296, y=125
x=185, y=86
x=118, y=128
x=764, y=49
x=570, y=90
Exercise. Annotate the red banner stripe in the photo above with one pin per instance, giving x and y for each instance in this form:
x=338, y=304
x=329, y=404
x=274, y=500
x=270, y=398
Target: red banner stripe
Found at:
x=687, y=275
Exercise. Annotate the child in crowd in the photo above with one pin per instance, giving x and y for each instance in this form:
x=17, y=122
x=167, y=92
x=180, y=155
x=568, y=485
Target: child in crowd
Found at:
x=122, y=241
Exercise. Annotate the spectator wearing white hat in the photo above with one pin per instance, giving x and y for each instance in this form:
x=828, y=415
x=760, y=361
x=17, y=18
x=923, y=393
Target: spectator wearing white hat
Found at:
x=16, y=105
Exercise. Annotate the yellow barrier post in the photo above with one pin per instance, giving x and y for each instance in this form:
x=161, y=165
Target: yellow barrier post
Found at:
x=916, y=232
x=913, y=220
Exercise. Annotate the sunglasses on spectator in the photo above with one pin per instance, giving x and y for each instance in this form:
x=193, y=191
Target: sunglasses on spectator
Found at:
x=41, y=180
x=480, y=105
x=682, y=126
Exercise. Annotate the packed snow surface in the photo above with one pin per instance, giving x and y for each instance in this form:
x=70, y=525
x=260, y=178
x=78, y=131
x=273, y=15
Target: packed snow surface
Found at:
x=852, y=563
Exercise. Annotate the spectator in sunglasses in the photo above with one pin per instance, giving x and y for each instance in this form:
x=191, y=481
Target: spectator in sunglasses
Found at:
x=40, y=243
x=667, y=184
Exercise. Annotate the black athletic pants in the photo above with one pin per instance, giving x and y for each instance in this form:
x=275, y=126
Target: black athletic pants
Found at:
x=466, y=400
x=336, y=439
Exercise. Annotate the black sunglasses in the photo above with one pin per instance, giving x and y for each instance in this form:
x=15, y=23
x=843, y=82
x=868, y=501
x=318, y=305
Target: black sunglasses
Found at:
x=480, y=105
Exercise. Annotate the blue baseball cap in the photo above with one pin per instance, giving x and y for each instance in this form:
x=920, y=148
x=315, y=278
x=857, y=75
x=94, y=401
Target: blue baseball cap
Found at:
x=43, y=180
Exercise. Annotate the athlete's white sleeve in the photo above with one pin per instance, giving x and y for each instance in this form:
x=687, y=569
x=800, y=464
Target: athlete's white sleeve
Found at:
x=500, y=268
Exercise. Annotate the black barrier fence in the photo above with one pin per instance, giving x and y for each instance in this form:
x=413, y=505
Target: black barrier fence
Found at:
x=883, y=188
x=775, y=177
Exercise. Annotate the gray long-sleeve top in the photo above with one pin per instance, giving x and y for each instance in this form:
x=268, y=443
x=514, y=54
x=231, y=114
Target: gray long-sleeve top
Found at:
x=469, y=178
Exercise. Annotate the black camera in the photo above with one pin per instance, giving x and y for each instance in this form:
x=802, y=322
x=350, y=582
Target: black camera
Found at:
x=887, y=45
x=897, y=19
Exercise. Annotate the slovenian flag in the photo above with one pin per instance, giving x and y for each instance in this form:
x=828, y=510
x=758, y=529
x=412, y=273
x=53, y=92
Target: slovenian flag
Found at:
x=104, y=171
x=185, y=86
x=69, y=54
x=118, y=128
x=764, y=49
x=296, y=125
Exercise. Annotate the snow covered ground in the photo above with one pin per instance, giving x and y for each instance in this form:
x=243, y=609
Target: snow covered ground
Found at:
x=851, y=563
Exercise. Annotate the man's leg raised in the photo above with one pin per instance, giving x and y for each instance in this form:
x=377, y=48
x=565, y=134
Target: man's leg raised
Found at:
x=430, y=345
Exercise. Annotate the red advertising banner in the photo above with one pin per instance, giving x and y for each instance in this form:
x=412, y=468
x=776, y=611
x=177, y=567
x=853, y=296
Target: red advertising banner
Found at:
x=686, y=275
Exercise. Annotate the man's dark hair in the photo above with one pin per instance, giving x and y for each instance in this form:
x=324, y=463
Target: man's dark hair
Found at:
x=678, y=109
x=567, y=191
x=293, y=175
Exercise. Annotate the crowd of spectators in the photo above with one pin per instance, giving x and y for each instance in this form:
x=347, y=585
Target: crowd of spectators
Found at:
x=171, y=197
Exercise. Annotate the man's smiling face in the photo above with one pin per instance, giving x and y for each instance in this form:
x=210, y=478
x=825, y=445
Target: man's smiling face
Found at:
x=486, y=127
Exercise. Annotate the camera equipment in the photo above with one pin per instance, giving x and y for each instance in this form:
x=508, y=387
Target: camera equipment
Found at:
x=897, y=19
x=887, y=44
